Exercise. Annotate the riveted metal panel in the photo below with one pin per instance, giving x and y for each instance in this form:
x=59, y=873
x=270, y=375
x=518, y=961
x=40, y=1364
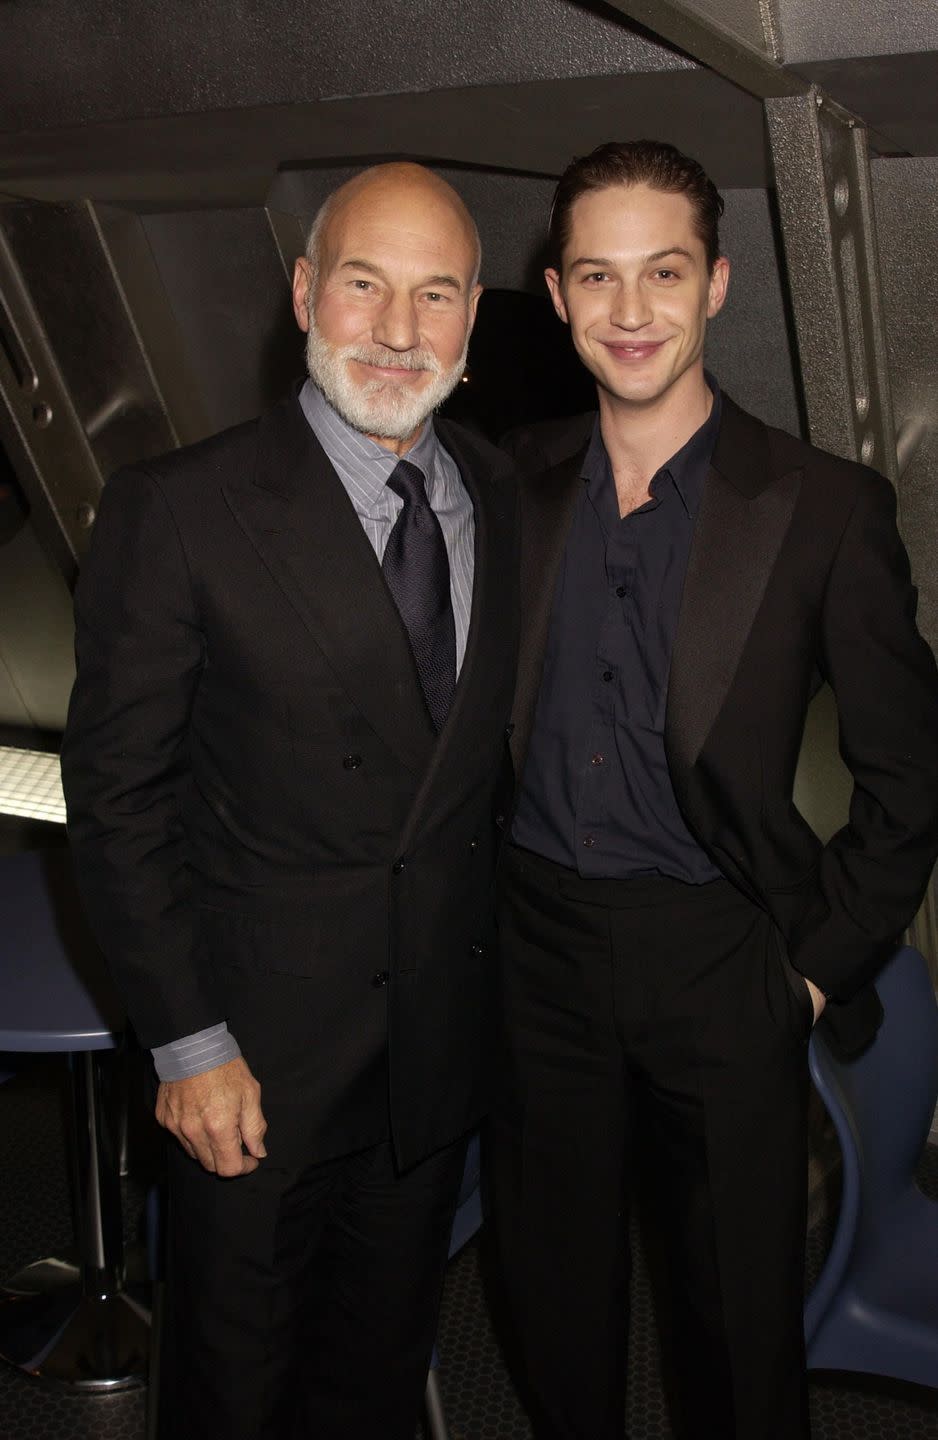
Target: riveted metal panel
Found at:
x=78, y=397
x=822, y=182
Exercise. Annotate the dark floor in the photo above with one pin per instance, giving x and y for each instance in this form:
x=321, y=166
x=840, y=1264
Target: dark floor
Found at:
x=480, y=1399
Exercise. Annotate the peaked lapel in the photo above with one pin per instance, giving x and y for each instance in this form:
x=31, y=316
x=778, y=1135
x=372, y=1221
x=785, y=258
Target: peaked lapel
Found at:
x=745, y=511
x=547, y=503
x=297, y=514
x=486, y=476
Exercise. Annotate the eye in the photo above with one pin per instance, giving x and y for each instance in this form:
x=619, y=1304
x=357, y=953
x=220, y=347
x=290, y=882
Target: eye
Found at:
x=596, y=277
x=362, y=285
x=666, y=274
x=434, y=295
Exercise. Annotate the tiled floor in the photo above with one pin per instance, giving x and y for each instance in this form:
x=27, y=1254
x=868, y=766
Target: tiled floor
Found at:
x=481, y=1401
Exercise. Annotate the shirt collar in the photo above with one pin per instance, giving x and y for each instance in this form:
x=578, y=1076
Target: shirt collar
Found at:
x=372, y=463
x=687, y=468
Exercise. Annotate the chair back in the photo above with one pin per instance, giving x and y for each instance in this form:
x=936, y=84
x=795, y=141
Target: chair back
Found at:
x=886, y=1096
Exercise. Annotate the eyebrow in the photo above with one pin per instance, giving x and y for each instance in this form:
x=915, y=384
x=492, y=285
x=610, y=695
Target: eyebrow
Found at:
x=435, y=281
x=599, y=263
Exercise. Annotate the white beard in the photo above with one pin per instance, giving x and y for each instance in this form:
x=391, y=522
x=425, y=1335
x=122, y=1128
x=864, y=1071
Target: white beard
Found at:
x=379, y=407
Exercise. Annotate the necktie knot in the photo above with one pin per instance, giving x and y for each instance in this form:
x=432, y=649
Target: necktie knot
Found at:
x=407, y=481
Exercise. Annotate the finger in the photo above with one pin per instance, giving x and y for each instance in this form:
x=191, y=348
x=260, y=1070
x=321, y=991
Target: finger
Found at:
x=227, y=1154
x=253, y=1130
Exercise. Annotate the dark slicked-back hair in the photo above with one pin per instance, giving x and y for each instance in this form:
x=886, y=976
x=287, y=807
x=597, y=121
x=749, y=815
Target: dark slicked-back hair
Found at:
x=637, y=162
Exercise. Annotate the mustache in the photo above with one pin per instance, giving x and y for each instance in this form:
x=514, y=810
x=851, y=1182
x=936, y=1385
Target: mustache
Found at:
x=399, y=359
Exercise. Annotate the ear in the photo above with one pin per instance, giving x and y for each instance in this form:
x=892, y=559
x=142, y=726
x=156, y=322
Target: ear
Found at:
x=556, y=294
x=719, y=279
x=302, y=288
x=474, y=303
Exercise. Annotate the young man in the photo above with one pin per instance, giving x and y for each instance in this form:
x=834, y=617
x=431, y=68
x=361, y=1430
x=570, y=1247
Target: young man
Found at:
x=295, y=664
x=671, y=927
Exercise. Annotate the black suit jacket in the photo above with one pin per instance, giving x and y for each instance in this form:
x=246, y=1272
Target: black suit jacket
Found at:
x=796, y=573
x=266, y=829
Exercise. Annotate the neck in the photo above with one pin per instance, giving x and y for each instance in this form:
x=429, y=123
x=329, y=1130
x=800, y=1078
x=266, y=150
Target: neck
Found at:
x=640, y=436
x=398, y=447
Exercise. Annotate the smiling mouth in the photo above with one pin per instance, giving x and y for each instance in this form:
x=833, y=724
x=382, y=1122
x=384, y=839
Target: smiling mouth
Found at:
x=637, y=350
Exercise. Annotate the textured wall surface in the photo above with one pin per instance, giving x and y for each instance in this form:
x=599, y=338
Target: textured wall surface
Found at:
x=813, y=31
x=65, y=64
x=906, y=197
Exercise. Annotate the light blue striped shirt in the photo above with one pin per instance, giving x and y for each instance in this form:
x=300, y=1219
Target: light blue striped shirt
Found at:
x=364, y=468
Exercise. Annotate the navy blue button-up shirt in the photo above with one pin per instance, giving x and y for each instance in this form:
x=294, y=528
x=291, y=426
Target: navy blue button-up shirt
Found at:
x=596, y=794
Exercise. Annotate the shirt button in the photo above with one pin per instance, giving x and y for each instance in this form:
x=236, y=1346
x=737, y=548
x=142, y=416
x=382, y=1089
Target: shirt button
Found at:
x=380, y=980
x=589, y=842
x=607, y=675
x=473, y=844
x=597, y=760
x=351, y=762
x=397, y=867
x=620, y=591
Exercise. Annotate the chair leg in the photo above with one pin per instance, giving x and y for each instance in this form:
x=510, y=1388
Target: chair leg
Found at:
x=436, y=1420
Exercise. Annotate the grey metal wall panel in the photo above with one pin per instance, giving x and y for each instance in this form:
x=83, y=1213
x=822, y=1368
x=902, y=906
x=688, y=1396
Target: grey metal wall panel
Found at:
x=225, y=283
x=748, y=344
x=37, y=664
x=906, y=198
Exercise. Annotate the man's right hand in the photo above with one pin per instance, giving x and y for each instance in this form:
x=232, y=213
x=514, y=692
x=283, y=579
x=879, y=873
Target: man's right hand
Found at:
x=213, y=1115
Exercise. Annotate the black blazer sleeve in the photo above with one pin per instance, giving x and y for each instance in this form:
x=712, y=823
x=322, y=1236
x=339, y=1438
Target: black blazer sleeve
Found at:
x=874, y=871
x=124, y=759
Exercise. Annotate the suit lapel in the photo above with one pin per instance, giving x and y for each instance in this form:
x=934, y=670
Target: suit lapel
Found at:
x=547, y=503
x=296, y=513
x=744, y=515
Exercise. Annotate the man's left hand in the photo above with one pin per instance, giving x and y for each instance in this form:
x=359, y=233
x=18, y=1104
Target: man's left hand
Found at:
x=818, y=998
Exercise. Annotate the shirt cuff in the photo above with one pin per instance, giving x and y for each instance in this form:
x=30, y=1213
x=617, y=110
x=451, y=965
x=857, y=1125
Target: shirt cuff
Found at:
x=192, y=1054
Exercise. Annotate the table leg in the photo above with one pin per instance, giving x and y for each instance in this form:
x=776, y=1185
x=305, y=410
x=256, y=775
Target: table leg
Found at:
x=82, y=1323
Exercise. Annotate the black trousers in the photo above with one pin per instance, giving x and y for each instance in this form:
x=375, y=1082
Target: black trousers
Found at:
x=675, y=1002
x=303, y=1306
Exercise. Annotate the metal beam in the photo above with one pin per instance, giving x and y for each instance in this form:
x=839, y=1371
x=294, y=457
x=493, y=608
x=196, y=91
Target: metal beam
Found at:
x=724, y=35
x=78, y=397
x=822, y=178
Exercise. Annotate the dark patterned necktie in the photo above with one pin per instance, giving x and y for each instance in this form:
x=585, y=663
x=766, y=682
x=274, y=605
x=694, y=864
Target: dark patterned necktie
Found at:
x=417, y=572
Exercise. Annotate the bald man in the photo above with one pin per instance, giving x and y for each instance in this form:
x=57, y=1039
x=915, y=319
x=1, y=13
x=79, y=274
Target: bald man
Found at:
x=295, y=662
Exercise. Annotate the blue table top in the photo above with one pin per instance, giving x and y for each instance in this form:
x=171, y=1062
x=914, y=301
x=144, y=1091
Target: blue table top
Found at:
x=54, y=989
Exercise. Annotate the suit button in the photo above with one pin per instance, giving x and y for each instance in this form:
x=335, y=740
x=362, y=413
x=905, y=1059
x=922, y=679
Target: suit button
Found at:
x=397, y=867
x=509, y=729
x=352, y=762
x=500, y=821
x=478, y=949
x=473, y=844
x=380, y=980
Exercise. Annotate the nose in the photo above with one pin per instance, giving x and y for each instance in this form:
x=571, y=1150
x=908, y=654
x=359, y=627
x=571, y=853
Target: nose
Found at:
x=631, y=308
x=396, y=324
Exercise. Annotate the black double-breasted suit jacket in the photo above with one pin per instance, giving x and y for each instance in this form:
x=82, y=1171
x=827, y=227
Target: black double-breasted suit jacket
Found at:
x=267, y=831
x=796, y=575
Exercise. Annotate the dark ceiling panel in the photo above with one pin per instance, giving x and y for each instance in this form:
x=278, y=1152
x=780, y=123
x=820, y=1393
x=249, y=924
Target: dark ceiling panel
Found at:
x=68, y=64
x=232, y=157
